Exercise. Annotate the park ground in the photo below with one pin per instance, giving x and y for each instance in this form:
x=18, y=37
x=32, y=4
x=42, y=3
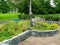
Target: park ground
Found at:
x=53, y=40
x=15, y=16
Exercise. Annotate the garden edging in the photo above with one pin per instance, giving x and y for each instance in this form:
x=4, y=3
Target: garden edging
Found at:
x=22, y=36
x=44, y=33
x=16, y=39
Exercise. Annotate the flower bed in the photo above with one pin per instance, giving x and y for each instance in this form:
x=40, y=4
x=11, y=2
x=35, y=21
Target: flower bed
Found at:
x=22, y=36
x=40, y=26
x=16, y=39
x=11, y=28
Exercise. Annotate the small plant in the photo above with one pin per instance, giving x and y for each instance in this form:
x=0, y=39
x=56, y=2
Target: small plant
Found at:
x=24, y=25
x=44, y=26
x=53, y=26
x=9, y=29
x=12, y=28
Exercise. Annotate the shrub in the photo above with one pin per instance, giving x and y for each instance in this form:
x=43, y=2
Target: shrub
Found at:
x=44, y=26
x=53, y=26
x=40, y=25
x=23, y=16
x=53, y=17
x=24, y=25
x=12, y=28
x=9, y=29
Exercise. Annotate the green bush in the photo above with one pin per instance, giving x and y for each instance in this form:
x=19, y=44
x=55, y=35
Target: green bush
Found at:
x=44, y=26
x=12, y=28
x=24, y=25
x=23, y=16
x=53, y=26
x=53, y=17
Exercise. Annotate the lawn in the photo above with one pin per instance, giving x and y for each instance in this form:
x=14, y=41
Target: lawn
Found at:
x=9, y=16
x=14, y=16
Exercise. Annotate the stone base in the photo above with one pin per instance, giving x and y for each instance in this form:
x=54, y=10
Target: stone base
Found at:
x=44, y=33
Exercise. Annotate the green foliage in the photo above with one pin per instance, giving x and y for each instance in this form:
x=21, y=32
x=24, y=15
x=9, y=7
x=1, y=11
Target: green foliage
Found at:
x=17, y=16
x=23, y=6
x=42, y=26
x=53, y=26
x=4, y=8
x=8, y=30
x=23, y=16
x=9, y=16
x=12, y=28
x=24, y=25
x=54, y=17
x=38, y=6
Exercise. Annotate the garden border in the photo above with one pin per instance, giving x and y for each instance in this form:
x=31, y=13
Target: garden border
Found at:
x=16, y=39
x=22, y=36
x=44, y=33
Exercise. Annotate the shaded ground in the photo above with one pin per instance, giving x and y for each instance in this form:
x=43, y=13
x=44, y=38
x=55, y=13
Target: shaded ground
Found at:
x=53, y=40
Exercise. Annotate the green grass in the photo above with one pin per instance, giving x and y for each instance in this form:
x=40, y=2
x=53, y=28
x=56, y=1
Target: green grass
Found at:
x=12, y=16
x=9, y=16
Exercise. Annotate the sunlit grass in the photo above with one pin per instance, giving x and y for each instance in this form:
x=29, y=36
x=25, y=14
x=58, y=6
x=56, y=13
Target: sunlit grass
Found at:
x=9, y=16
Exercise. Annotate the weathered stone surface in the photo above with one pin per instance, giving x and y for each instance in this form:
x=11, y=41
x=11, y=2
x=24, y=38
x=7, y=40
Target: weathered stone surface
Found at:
x=3, y=43
x=22, y=36
x=44, y=33
x=19, y=38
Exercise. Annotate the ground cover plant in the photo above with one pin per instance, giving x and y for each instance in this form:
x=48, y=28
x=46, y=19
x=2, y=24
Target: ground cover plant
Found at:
x=42, y=26
x=12, y=28
x=9, y=30
x=39, y=25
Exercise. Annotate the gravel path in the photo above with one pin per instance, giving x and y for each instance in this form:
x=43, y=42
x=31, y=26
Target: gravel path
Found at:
x=53, y=40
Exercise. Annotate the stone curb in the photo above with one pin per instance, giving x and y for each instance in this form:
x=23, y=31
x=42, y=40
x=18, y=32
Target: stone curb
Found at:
x=44, y=33
x=16, y=39
x=22, y=36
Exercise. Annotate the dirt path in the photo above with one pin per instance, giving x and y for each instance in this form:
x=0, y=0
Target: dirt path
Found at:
x=3, y=22
x=54, y=40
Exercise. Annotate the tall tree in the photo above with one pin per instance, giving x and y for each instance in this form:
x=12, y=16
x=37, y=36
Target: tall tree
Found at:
x=4, y=6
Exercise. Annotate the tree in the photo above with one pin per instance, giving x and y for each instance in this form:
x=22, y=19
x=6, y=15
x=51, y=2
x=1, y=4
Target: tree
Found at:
x=4, y=6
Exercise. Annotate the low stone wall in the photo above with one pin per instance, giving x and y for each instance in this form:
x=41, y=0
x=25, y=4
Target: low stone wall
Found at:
x=15, y=40
x=22, y=36
x=44, y=33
